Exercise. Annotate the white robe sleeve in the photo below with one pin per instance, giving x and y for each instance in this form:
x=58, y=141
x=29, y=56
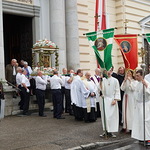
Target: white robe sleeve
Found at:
x=147, y=90
x=84, y=91
x=132, y=85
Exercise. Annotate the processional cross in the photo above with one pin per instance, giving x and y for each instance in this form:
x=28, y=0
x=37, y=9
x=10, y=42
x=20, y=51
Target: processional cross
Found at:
x=125, y=27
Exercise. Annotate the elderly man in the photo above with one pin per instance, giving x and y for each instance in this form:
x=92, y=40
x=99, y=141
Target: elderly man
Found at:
x=63, y=77
x=96, y=79
x=78, y=95
x=18, y=81
x=56, y=83
x=11, y=70
x=25, y=92
x=90, y=102
x=40, y=92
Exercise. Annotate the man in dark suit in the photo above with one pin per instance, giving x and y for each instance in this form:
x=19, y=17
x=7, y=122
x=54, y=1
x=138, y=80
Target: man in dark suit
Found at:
x=11, y=71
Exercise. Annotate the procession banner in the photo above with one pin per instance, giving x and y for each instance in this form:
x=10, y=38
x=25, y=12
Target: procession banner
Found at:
x=100, y=15
x=129, y=49
x=102, y=42
x=148, y=37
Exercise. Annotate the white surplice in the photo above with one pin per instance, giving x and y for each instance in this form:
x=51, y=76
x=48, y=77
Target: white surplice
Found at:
x=90, y=101
x=111, y=91
x=78, y=92
x=128, y=105
x=138, y=127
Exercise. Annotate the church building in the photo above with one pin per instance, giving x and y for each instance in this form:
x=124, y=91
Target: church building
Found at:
x=64, y=22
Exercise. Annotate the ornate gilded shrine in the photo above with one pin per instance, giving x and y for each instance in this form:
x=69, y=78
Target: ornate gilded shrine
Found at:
x=43, y=49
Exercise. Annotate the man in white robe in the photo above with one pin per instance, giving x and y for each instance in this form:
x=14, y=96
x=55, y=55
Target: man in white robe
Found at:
x=78, y=95
x=109, y=107
x=138, y=127
x=90, y=103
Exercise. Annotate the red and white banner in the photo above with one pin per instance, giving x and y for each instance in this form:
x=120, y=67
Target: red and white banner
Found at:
x=100, y=15
x=129, y=49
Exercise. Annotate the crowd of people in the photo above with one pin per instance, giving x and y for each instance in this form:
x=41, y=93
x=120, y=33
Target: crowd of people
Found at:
x=115, y=97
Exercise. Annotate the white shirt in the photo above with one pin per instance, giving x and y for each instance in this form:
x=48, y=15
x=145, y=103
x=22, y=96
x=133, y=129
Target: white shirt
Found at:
x=25, y=80
x=55, y=82
x=29, y=69
x=14, y=71
x=67, y=85
x=18, y=78
x=41, y=83
x=63, y=80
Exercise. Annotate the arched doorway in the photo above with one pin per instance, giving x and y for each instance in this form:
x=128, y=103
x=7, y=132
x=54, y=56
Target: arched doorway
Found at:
x=17, y=38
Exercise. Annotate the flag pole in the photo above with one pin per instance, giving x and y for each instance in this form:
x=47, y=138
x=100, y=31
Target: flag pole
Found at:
x=143, y=66
x=103, y=110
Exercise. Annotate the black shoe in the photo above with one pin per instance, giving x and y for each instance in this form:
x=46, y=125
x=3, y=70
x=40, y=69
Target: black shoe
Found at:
x=122, y=130
x=26, y=114
x=14, y=96
x=121, y=124
x=103, y=135
x=61, y=118
x=111, y=135
x=43, y=115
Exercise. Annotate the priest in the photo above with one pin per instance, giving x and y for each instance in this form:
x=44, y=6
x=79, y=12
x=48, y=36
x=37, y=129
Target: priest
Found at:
x=90, y=102
x=138, y=127
x=109, y=107
x=78, y=95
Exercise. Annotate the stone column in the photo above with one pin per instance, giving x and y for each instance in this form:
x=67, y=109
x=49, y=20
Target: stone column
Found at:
x=72, y=35
x=36, y=26
x=2, y=69
x=57, y=30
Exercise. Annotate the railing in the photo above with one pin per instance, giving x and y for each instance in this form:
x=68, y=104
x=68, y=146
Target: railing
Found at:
x=23, y=1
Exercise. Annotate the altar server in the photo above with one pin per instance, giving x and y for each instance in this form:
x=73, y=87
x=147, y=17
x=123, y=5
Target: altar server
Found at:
x=109, y=107
x=138, y=127
x=128, y=86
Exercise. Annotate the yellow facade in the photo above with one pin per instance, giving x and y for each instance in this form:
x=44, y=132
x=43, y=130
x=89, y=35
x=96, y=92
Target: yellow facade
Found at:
x=118, y=12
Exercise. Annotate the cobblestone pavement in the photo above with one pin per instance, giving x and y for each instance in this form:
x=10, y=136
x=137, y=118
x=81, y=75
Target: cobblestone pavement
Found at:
x=46, y=133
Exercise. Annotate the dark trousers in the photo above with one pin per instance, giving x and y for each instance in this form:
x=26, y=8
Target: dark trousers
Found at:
x=40, y=96
x=57, y=102
x=32, y=86
x=120, y=111
x=21, y=97
x=98, y=110
x=67, y=101
x=63, y=94
x=120, y=107
x=26, y=99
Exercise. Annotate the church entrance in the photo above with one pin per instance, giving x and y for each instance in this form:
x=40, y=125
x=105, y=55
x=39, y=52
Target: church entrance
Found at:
x=17, y=38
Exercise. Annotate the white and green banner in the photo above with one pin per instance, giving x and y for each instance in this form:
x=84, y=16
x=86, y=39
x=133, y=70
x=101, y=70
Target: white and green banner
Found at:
x=148, y=37
x=101, y=41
